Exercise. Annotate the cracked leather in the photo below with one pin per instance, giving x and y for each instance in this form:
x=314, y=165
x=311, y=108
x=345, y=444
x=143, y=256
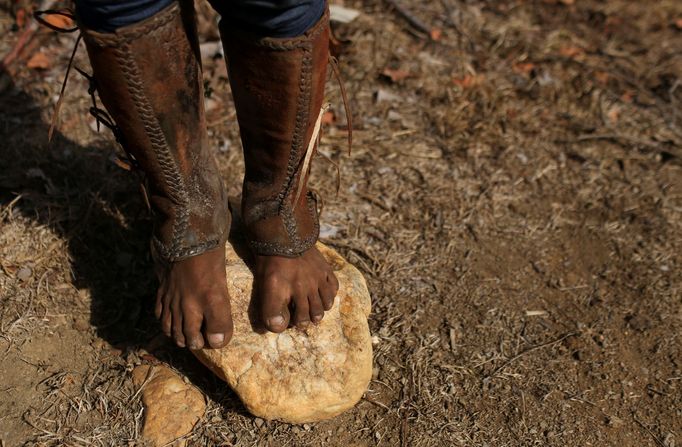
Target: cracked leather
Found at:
x=148, y=76
x=278, y=90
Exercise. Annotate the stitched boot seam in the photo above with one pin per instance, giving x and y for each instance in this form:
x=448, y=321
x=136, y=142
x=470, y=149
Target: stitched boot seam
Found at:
x=157, y=139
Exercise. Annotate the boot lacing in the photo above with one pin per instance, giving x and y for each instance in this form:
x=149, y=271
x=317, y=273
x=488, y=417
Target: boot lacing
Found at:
x=101, y=116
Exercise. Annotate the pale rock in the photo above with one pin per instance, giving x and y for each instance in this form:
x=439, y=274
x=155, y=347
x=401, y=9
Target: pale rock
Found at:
x=24, y=274
x=172, y=407
x=297, y=376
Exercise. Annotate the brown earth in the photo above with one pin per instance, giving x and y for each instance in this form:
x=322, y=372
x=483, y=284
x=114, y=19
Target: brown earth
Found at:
x=514, y=199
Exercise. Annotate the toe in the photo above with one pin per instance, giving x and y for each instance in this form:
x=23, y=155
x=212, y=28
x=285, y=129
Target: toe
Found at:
x=191, y=327
x=218, y=321
x=328, y=290
x=274, y=301
x=277, y=320
x=158, y=307
x=302, y=311
x=166, y=318
x=331, y=277
x=176, y=325
x=316, y=309
x=160, y=300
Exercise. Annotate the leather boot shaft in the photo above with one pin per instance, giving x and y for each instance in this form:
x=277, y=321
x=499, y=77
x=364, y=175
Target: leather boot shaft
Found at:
x=148, y=76
x=278, y=90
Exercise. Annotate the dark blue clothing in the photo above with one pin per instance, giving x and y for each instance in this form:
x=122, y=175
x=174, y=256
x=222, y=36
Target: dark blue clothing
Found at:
x=268, y=18
x=107, y=15
x=271, y=18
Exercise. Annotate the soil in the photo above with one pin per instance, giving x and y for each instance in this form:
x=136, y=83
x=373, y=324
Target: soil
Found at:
x=514, y=199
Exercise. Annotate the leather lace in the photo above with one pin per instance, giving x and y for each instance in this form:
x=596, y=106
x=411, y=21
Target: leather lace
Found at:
x=333, y=62
x=314, y=138
x=101, y=116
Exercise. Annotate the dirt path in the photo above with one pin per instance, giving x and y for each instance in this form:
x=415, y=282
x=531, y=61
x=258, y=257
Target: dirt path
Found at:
x=514, y=199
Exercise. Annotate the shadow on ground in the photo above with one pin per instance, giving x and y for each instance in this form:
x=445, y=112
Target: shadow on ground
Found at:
x=86, y=199
x=79, y=193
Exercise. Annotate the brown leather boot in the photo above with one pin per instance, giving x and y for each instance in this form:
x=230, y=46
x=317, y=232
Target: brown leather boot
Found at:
x=278, y=90
x=148, y=77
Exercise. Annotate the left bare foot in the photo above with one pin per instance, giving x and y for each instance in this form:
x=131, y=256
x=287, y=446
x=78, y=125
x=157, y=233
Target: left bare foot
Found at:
x=304, y=285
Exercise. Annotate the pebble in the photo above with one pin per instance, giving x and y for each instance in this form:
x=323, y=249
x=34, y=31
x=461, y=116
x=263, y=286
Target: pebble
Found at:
x=171, y=407
x=24, y=274
x=81, y=325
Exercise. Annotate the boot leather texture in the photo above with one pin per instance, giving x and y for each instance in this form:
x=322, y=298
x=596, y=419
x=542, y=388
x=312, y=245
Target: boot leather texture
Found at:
x=148, y=77
x=278, y=90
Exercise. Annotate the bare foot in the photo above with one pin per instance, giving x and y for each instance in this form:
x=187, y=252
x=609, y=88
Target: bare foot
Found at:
x=192, y=302
x=305, y=285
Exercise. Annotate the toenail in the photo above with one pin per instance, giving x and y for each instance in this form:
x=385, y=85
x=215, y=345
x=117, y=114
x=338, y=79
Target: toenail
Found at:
x=194, y=344
x=276, y=321
x=180, y=343
x=216, y=339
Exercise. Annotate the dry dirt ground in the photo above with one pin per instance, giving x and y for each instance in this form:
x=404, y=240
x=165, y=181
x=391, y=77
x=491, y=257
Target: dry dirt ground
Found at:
x=514, y=199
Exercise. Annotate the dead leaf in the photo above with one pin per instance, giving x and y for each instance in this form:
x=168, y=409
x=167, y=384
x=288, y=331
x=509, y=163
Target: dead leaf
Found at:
x=572, y=52
x=20, y=18
x=627, y=96
x=395, y=75
x=612, y=24
x=150, y=358
x=9, y=269
x=613, y=114
x=512, y=113
x=678, y=23
x=39, y=61
x=338, y=46
x=59, y=21
x=328, y=117
x=524, y=68
x=469, y=80
x=602, y=77
x=436, y=33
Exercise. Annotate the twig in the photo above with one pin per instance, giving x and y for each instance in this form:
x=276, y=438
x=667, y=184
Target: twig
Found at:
x=449, y=12
x=626, y=139
x=148, y=377
x=404, y=431
x=648, y=430
x=377, y=403
x=24, y=38
x=618, y=138
x=411, y=19
x=7, y=209
x=527, y=351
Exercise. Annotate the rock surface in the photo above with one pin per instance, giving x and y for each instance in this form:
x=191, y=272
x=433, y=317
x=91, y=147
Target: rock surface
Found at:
x=172, y=407
x=299, y=375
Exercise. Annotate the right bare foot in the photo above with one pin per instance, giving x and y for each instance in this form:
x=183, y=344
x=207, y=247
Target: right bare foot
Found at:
x=192, y=301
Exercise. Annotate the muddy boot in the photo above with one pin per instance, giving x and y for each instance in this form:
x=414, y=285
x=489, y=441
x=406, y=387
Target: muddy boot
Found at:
x=148, y=77
x=278, y=90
